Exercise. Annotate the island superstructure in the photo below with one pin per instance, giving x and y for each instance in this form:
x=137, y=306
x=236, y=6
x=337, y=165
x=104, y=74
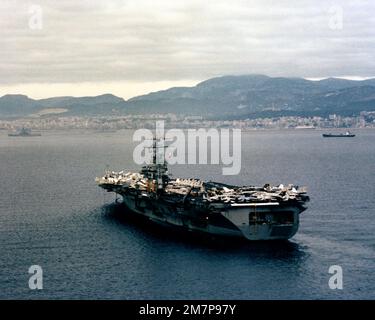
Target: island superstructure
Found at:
x=255, y=213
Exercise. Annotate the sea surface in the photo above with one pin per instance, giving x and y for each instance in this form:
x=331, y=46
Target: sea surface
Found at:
x=52, y=214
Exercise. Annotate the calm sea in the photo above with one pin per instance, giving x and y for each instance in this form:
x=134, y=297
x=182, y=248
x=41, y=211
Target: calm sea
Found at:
x=52, y=214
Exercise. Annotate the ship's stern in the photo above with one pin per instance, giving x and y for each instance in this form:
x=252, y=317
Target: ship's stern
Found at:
x=264, y=222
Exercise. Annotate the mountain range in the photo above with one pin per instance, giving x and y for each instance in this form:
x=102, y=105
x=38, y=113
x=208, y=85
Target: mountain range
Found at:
x=227, y=97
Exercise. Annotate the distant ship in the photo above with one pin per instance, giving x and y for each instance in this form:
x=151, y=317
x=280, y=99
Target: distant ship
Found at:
x=347, y=134
x=24, y=133
x=254, y=213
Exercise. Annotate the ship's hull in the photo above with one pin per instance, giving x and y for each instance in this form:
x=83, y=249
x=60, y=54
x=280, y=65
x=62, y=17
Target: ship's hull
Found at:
x=24, y=135
x=262, y=221
x=338, y=135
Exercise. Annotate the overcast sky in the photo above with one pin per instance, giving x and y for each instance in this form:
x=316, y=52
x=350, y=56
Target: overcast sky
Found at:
x=130, y=47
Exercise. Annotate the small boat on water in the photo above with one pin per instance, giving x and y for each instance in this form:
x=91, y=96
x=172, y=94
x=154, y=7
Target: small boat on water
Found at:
x=24, y=133
x=347, y=134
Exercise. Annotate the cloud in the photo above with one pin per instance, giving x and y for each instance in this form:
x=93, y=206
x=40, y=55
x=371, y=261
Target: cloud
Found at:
x=166, y=40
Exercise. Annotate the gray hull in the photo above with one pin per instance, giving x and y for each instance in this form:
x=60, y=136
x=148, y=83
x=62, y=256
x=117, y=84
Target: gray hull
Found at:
x=261, y=221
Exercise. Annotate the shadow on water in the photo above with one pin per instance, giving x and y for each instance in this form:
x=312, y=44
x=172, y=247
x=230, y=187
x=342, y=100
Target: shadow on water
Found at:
x=118, y=214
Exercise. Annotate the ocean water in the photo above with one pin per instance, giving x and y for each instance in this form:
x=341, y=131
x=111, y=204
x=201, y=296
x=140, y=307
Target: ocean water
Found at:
x=52, y=214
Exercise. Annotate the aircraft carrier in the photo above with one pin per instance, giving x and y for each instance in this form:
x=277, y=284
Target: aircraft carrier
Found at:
x=255, y=213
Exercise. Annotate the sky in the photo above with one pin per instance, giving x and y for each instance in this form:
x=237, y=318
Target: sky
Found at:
x=131, y=47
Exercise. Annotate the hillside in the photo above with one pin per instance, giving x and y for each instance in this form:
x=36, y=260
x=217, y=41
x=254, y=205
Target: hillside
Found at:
x=222, y=97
